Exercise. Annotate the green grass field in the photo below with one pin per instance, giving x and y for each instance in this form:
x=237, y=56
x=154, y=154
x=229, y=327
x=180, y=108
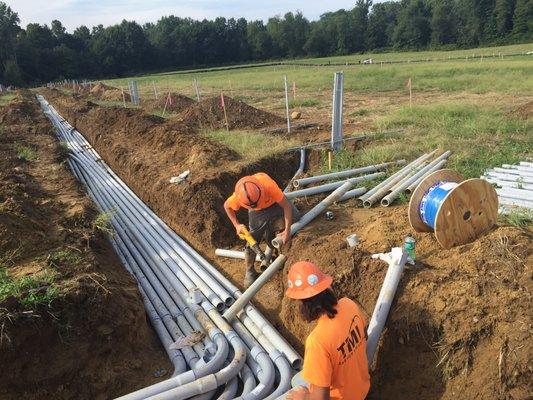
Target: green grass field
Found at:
x=478, y=108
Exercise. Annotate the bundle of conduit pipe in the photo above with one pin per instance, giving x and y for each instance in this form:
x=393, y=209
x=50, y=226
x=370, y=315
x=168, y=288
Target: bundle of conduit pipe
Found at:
x=514, y=185
x=244, y=358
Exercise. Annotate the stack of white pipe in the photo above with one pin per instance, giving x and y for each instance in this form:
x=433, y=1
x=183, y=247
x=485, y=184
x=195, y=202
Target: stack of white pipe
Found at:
x=515, y=184
x=183, y=293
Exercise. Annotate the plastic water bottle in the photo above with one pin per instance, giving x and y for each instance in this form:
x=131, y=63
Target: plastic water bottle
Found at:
x=409, y=246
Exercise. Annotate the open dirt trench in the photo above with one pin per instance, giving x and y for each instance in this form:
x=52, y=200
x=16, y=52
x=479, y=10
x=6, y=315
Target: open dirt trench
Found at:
x=92, y=341
x=461, y=325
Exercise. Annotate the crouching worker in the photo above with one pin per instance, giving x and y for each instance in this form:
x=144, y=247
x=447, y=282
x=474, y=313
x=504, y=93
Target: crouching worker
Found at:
x=265, y=202
x=335, y=362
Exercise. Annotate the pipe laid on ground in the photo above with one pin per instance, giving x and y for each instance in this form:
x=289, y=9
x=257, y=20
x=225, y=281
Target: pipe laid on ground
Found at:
x=509, y=177
x=319, y=208
x=519, y=194
x=396, y=260
x=412, y=182
x=299, y=171
x=232, y=254
x=408, y=177
x=381, y=190
x=509, y=201
x=344, y=174
x=508, y=184
x=526, y=174
x=352, y=193
x=328, y=187
x=276, y=265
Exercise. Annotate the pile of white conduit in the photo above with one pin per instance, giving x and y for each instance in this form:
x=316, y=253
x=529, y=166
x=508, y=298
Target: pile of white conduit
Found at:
x=246, y=358
x=515, y=185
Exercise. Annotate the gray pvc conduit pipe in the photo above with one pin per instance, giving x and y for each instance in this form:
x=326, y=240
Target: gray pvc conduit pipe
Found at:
x=433, y=166
x=230, y=390
x=382, y=189
x=393, y=178
x=410, y=189
x=328, y=187
x=345, y=174
x=350, y=194
x=509, y=177
x=319, y=208
x=276, y=265
x=299, y=171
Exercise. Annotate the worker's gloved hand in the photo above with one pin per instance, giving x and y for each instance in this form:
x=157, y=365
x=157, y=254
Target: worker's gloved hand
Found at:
x=300, y=393
x=241, y=229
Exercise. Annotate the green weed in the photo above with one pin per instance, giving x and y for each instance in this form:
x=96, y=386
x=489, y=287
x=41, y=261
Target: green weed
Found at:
x=360, y=112
x=25, y=153
x=250, y=145
x=303, y=103
x=103, y=223
x=64, y=257
x=31, y=291
x=518, y=217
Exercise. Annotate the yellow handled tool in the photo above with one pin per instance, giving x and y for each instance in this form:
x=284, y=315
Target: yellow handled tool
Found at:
x=246, y=235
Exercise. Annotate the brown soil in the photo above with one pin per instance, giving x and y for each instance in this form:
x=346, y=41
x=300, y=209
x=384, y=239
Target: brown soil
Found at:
x=101, y=91
x=93, y=340
x=209, y=113
x=461, y=324
x=524, y=111
x=178, y=103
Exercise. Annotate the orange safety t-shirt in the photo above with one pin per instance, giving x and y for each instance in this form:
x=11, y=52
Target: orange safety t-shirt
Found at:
x=335, y=353
x=270, y=194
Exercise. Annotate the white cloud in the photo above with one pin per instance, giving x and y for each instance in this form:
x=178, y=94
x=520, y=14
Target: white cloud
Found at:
x=73, y=13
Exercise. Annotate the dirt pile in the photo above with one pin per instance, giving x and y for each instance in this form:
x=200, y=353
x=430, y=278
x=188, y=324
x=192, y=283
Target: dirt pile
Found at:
x=176, y=104
x=101, y=91
x=146, y=151
x=72, y=324
x=209, y=113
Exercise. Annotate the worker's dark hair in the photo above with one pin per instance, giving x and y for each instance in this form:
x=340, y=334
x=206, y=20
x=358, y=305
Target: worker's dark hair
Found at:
x=316, y=306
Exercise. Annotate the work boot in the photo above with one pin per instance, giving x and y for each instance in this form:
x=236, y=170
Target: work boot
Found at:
x=250, y=276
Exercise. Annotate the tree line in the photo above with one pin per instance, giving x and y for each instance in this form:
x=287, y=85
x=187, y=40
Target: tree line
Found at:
x=42, y=53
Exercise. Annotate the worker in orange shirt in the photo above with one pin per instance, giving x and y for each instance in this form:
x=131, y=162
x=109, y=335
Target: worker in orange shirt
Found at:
x=265, y=202
x=335, y=361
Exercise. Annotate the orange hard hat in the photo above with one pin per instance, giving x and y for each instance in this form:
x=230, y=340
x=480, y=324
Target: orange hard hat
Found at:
x=248, y=191
x=306, y=280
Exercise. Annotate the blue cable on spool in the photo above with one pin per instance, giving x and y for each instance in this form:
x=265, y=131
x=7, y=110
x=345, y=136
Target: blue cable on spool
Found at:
x=432, y=200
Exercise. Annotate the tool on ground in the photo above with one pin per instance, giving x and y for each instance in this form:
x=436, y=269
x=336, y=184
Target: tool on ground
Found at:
x=457, y=211
x=329, y=216
x=246, y=235
x=181, y=177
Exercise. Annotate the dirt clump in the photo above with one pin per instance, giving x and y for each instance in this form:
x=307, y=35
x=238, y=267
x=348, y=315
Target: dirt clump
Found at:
x=72, y=323
x=101, y=91
x=176, y=104
x=524, y=111
x=209, y=113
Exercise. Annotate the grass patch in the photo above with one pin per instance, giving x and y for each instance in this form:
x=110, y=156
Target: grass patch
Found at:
x=63, y=257
x=111, y=103
x=360, y=112
x=518, y=217
x=480, y=137
x=303, y=103
x=6, y=98
x=31, y=291
x=102, y=223
x=250, y=145
x=25, y=153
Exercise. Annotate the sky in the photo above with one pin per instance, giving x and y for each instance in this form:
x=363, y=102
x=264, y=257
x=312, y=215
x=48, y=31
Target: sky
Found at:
x=73, y=13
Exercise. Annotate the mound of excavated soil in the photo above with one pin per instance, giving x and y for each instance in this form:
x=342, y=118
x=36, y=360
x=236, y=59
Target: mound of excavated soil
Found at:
x=209, y=113
x=524, y=111
x=101, y=91
x=177, y=103
x=92, y=341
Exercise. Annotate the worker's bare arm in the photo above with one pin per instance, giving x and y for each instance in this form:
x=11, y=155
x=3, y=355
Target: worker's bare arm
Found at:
x=302, y=393
x=233, y=217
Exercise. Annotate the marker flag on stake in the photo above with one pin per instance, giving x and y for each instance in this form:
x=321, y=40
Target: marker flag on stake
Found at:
x=223, y=105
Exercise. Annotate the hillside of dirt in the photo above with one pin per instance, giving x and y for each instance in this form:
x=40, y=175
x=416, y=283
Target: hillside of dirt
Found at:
x=174, y=103
x=461, y=323
x=72, y=323
x=209, y=113
x=101, y=91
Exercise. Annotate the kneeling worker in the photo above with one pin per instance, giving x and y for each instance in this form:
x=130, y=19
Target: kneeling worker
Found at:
x=335, y=362
x=265, y=202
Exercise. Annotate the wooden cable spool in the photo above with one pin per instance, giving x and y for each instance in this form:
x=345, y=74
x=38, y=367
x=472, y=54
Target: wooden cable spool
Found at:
x=458, y=211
